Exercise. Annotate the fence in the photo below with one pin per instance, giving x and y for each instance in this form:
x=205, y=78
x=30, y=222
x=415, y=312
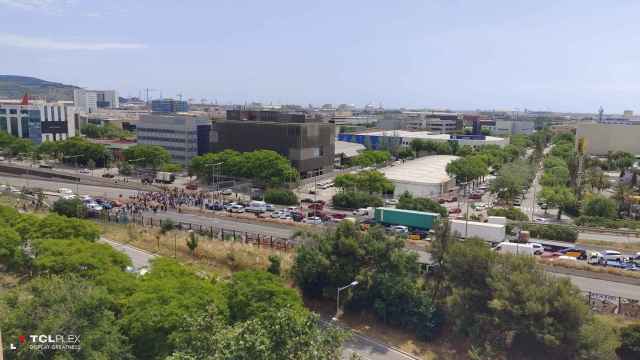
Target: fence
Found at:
x=212, y=232
x=609, y=304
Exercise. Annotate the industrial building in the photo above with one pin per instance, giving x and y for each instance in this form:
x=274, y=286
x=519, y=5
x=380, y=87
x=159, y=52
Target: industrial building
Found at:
x=424, y=177
x=602, y=138
x=184, y=136
x=90, y=101
x=38, y=120
x=377, y=140
x=168, y=106
x=511, y=127
x=436, y=122
x=309, y=145
x=346, y=151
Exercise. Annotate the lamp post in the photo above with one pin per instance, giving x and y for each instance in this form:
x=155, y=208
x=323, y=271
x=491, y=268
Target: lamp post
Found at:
x=354, y=283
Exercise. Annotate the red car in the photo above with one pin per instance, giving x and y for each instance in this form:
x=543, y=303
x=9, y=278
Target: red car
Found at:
x=192, y=186
x=475, y=197
x=453, y=199
x=316, y=206
x=441, y=201
x=338, y=216
x=455, y=211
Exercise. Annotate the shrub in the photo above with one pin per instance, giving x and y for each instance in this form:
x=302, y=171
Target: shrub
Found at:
x=167, y=225
x=281, y=197
x=630, y=339
x=511, y=213
x=600, y=206
x=408, y=202
x=355, y=200
x=274, y=266
x=553, y=232
x=70, y=208
x=607, y=223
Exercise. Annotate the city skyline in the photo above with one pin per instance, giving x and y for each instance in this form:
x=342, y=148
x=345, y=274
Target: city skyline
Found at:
x=570, y=57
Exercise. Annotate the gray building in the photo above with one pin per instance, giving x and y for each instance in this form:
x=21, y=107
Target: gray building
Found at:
x=184, y=136
x=436, y=122
x=169, y=106
x=309, y=145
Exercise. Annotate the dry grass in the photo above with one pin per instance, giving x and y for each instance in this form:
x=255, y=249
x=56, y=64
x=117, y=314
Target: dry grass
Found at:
x=620, y=246
x=8, y=281
x=579, y=265
x=222, y=257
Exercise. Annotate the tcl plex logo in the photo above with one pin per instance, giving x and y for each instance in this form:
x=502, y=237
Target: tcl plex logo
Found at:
x=49, y=342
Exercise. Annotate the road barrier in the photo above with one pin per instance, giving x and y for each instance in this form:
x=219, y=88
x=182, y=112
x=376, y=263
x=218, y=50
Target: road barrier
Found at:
x=212, y=232
x=609, y=304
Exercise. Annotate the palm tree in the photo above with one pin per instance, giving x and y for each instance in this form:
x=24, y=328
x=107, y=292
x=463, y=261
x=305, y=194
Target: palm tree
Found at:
x=621, y=194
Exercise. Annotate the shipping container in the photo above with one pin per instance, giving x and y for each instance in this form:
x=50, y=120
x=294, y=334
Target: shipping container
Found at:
x=485, y=231
x=410, y=218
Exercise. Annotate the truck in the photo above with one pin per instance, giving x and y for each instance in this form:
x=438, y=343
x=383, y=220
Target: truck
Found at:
x=409, y=218
x=515, y=248
x=256, y=207
x=164, y=177
x=501, y=220
x=494, y=233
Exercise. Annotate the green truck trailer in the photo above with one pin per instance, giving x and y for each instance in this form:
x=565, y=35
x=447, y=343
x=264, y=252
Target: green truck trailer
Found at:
x=410, y=218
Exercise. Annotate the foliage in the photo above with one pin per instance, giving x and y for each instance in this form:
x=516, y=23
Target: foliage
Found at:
x=125, y=169
x=107, y=131
x=281, y=197
x=607, y=223
x=511, y=179
x=172, y=167
x=371, y=181
x=620, y=160
x=600, y=206
x=281, y=334
x=560, y=197
x=468, y=168
x=408, y=202
x=11, y=254
x=264, y=166
x=430, y=147
x=70, y=208
x=77, y=150
x=598, y=340
x=555, y=176
x=55, y=226
x=167, y=225
x=406, y=153
x=510, y=213
x=274, y=264
x=371, y=157
x=63, y=305
x=166, y=295
x=387, y=276
x=192, y=242
x=142, y=155
x=557, y=232
x=355, y=200
x=630, y=342
x=251, y=294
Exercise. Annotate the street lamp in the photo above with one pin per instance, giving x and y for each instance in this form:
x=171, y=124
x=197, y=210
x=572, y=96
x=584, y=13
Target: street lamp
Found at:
x=354, y=283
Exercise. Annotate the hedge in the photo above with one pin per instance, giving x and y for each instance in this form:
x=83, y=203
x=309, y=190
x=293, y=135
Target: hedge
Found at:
x=355, y=200
x=557, y=232
x=511, y=213
x=280, y=197
x=595, y=221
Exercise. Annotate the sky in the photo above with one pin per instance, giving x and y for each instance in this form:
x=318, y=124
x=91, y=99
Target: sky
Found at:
x=508, y=54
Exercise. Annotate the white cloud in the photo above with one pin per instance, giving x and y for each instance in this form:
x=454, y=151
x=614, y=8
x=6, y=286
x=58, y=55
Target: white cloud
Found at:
x=42, y=43
x=32, y=4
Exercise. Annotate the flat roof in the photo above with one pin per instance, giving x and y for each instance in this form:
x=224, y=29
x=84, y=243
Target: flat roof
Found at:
x=417, y=135
x=424, y=170
x=349, y=149
x=409, y=211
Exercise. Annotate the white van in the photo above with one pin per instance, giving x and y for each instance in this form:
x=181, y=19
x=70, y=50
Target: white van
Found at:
x=612, y=255
x=257, y=207
x=515, y=248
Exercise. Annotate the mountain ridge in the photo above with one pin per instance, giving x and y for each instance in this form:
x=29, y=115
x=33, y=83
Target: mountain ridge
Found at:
x=15, y=86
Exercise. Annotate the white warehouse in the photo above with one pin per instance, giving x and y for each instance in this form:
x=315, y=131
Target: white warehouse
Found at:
x=424, y=177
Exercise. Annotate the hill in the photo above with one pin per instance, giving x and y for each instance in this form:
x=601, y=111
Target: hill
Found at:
x=14, y=87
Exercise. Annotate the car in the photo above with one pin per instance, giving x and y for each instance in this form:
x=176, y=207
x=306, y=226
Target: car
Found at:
x=391, y=202
x=285, y=216
x=453, y=199
x=579, y=254
x=269, y=207
x=306, y=200
x=442, y=201
x=338, y=216
x=544, y=206
x=14, y=189
x=361, y=212
x=227, y=192
x=65, y=191
x=399, y=229
x=475, y=196
x=192, y=186
x=517, y=202
x=45, y=166
x=68, y=196
x=85, y=171
x=237, y=208
x=540, y=220
x=291, y=209
x=612, y=255
x=538, y=249
x=276, y=214
x=108, y=175
x=94, y=206
x=455, y=211
x=316, y=206
x=313, y=220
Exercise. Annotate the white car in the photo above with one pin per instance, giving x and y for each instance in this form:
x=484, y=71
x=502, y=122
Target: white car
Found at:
x=538, y=249
x=65, y=191
x=86, y=198
x=285, y=216
x=94, y=206
x=14, y=189
x=68, y=196
x=399, y=229
x=612, y=255
x=227, y=192
x=237, y=208
x=313, y=220
x=85, y=171
x=391, y=202
x=276, y=214
x=540, y=220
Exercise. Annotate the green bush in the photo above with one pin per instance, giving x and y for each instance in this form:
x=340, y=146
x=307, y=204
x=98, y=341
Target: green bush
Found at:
x=600, y=206
x=511, y=213
x=630, y=342
x=553, y=232
x=70, y=208
x=408, y=202
x=595, y=221
x=280, y=197
x=355, y=200
x=167, y=225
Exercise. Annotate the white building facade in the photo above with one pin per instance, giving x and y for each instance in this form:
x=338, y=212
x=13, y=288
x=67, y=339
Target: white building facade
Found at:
x=38, y=120
x=90, y=101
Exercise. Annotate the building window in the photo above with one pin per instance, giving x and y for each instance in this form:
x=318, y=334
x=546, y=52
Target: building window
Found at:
x=13, y=111
x=3, y=123
x=3, y=111
x=46, y=114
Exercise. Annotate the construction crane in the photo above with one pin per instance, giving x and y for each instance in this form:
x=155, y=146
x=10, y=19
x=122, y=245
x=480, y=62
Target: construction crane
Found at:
x=147, y=91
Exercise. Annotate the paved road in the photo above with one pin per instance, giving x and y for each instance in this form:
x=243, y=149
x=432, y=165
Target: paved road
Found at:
x=604, y=287
x=56, y=184
x=608, y=237
x=139, y=258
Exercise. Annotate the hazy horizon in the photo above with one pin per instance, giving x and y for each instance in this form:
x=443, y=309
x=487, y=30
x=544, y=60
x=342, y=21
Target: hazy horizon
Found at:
x=569, y=57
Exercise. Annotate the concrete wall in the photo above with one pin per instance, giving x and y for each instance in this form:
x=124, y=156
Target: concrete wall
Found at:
x=422, y=190
x=602, y=138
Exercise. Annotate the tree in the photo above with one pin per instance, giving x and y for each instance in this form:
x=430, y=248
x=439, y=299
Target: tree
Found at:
x=355, y=200
x=166, y=296
x=274, y=264
x=192, y=242
x=408, y=202
x=54, y=226
x=251, y=294
x=143, y=155
x=600, y=206
x=621, y=195
x=555, y=176
x=77, y=150
x=63, y=305
x=125, y=169
x=11, y=254
x=70, y=208
x=281, y=334
x=558, y=196
x=371, y=157
x=468, y=168
x=597, y=179
x=406, y=153
x=281, y=197
x=172, y=167
x=630, y=342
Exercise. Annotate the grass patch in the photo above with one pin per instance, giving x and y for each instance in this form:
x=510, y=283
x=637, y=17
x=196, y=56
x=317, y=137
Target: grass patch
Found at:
x=620, y=246
x=579, y=265
x=215, y=255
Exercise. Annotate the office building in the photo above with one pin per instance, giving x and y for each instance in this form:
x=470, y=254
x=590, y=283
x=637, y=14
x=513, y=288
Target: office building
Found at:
x=38, y=120
x=309, y=145
x=184, y=136
x=600, y=139
x=168, y=106
x=89, y=101
x=512, y=127
x=378, y=140
x=435, y=122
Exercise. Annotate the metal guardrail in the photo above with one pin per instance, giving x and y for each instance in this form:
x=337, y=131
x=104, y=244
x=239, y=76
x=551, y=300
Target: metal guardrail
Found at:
x=609, y=304
x=598, y=230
